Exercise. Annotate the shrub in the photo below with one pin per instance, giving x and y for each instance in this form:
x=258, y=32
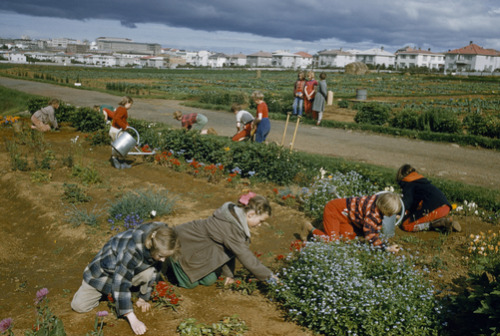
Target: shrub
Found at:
x=78, y=216
x=86, y=119
x=87, y=175
x=406, y=118
x=372, y=113
x=350, y=288
x=343, y=104
x=438, y=120
x=478, y=124
x=74, y=194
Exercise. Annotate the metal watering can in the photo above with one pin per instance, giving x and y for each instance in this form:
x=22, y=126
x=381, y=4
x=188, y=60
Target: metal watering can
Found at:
x=125, y=142
x=389, y=223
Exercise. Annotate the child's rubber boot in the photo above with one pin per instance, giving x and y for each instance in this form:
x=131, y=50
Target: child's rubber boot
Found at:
x=444, y=224
x=115, y=163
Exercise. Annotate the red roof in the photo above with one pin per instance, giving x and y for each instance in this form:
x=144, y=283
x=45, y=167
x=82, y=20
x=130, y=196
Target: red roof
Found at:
x=474, y=49
x=303, y=54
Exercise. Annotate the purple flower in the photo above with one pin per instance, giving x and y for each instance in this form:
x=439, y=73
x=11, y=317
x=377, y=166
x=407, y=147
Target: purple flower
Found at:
x=102, y=313
x=5, y=325
x=41, y=294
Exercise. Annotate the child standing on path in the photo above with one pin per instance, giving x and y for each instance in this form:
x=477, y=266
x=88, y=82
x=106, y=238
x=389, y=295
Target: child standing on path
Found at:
x=358, y=216
x=44, y=118
x=261, y=122
x=195, y=121
x=310, y=93
x=209, y=247
x=320, y=99
x=426, y=206
x=244, y=121
x=119, y=123
x=128, y=259
x=298, y=93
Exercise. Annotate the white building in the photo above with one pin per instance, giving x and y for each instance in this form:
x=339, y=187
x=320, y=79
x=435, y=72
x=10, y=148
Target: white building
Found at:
x=237, y=60
x=472, y=58
x=152, y=62
x=376, y=57
x=260, y=59
x=305, y=60
x=407, y=58
x=333, y=59
x=15, y=57
x=285, y=59
x=217, y=60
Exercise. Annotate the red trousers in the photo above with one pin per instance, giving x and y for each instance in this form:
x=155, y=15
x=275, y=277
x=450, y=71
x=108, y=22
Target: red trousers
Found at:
x=409, y=225
x=308, y=104
x=335, y=221
x=244, y=133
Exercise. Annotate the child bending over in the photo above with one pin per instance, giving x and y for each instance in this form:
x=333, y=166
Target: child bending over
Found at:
x=209, y=247
x=426, y=206
x=127, y=259
x=358, y=216
x=45, y=118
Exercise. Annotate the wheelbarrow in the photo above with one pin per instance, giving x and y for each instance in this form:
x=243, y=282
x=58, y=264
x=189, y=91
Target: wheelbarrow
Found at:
x=125, y=142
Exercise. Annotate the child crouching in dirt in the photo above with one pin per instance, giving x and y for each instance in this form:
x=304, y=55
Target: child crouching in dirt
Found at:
x=128, y=259
x=426, y=206
x=210, y=247
x=45, y=118
x=192, y=121
x=358, y=216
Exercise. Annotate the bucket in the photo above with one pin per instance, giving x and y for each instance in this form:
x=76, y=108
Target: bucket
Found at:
x=361, y=94
x=389, y=223
x=125, y=142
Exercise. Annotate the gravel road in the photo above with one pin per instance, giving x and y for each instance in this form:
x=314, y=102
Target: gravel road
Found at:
x=466, y=164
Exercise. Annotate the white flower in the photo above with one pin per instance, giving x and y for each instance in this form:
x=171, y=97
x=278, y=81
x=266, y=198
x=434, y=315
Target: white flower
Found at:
x=75, y=139
x=153, y=213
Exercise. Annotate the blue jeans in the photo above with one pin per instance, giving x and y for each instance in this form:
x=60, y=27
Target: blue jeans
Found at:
x=298, y=102
x=262, y=130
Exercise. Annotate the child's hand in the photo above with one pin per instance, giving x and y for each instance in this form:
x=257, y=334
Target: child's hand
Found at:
x=145, y=306
x=137, y=326
x=228, y=281
x=393, y=248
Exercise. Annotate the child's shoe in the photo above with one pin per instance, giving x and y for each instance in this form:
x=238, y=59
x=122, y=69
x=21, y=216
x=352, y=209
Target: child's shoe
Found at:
x=455, y=225
x=124, y=165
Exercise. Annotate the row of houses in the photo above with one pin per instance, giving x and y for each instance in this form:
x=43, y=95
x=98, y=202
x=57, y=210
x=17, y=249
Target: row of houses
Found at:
x=114, y=52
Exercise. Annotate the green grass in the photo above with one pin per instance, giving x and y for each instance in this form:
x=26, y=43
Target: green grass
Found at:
x=13, y=102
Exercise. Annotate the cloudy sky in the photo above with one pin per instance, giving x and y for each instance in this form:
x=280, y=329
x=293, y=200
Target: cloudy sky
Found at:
x=247, y=26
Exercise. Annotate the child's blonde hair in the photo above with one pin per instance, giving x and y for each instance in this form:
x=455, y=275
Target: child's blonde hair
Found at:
x=310, y=74
x=125, y=100
x=177, y=115
x=257, y=203
x=257, y=95
x=404, y=171
x=301, y=75
x=162, y=242
x=389, y=203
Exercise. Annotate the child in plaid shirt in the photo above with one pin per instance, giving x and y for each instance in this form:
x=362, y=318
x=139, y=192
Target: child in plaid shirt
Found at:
x=128, y=259
x=358, y=216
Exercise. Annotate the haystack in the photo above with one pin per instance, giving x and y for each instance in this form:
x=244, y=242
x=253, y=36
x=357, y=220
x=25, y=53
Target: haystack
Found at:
x=356, y=68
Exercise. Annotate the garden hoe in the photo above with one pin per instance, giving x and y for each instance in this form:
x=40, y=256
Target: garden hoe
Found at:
x=295, y=132
x=286, y=125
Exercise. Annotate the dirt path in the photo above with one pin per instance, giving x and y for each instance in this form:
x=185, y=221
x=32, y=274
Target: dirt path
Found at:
x=450, y=161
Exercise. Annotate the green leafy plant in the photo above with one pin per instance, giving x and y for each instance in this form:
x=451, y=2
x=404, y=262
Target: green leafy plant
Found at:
x=87, y=175
x=74, y=194
x=98, y=324
x=372, y=113
x=40, y=177
x=17, y=161
x=244, y=283
x=230, y=325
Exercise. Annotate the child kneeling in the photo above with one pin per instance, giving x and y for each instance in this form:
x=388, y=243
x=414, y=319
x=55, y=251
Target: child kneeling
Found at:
x=209, y=247
x=128, y=259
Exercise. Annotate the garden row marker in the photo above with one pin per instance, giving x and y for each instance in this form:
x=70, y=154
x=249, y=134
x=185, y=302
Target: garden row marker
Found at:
x=295, y=132
x=286, y=125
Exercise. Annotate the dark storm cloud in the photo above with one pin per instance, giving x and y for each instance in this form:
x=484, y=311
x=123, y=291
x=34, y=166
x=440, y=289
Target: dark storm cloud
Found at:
x=380, y=22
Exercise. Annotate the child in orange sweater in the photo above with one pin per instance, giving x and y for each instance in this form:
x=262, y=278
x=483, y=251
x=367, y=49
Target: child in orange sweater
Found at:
x=119, y=123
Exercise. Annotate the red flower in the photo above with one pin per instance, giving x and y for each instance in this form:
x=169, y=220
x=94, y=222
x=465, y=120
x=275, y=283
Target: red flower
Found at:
x=297, y=245
x=275, y=190
x=229, y=179
x=110, y=298
x=280, y=257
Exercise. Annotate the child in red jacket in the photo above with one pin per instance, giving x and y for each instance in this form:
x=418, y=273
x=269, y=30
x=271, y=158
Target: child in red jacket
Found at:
x=119, y=123
x=426, y=206
x=358, y=216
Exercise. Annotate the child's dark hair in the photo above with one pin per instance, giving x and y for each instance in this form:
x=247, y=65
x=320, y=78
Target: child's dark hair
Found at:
x=235, y=107
x=162, y=242
x=259, y=204
x=322, y=75
x=404, y=171
x=125, y=100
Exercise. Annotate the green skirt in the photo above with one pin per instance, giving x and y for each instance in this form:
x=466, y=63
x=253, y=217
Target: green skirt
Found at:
x=184, y=281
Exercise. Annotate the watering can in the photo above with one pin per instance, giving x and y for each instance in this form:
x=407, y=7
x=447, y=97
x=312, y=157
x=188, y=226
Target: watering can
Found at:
x=125, y=142
x=389, y=223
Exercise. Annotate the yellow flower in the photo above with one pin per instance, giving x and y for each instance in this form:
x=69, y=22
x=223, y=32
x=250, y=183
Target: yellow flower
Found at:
x=453, y=206
x=227, y=149
x=471, y=236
